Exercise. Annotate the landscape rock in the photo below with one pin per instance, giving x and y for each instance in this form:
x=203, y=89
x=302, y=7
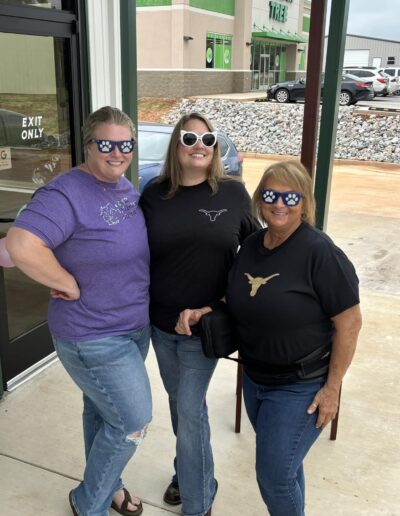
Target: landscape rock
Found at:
x=270, y=128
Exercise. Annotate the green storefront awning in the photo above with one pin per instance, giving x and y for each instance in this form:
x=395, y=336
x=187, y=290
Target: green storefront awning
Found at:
x=283, y=36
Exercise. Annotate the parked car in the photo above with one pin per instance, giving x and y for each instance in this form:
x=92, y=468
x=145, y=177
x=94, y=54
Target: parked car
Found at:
x=392, y=84
x=351, y=90
x=394, y=77
x=153, y=140
x=380, y=80
x=394, y=71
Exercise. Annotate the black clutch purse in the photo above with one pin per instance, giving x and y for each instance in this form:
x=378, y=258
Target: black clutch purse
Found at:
x=217, y=333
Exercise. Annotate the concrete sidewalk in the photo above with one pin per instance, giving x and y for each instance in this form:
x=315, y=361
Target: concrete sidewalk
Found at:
x=41, y=449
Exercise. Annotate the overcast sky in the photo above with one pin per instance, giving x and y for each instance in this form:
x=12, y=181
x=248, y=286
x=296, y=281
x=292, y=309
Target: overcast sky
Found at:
x=374, y=18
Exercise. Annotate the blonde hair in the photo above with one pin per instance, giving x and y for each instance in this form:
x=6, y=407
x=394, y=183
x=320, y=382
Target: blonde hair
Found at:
x=105, y=115
x=295, y=175
x=172, y=170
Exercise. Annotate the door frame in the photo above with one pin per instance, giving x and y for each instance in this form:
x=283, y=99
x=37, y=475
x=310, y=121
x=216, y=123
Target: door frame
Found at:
x=265, y=60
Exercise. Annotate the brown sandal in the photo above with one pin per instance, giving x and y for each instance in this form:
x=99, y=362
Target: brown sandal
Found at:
x=124, y=507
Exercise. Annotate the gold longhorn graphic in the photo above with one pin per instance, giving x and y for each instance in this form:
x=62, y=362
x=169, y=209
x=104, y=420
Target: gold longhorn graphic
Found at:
x=257, y=282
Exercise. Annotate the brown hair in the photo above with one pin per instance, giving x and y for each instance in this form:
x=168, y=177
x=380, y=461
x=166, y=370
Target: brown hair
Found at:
x=295, y=175
x=105, y=115
x=172, y=170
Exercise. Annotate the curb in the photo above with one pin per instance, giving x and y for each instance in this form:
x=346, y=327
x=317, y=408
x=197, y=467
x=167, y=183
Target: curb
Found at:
x=386, y=110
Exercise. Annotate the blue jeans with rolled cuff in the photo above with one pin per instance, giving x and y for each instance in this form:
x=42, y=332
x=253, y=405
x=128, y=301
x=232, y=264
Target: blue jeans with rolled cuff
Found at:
x=117, y=403
x=186, y=373
x=284, y=435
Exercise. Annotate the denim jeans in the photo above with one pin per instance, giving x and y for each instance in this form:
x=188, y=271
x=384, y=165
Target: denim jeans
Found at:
x=284, y=434
x=186, y=373
x=117, y=403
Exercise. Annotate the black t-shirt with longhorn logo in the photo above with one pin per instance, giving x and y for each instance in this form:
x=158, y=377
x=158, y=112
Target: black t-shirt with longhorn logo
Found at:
x=193, y=237
x=283, y=299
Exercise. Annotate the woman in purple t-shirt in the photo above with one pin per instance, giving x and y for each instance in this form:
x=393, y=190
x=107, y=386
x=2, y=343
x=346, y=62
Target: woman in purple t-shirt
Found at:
x=84, y=236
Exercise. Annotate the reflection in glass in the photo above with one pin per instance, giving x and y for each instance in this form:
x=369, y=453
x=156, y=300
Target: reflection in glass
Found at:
x=27, y=302
x=34, y=111
x=34, y=148
x=54, y=4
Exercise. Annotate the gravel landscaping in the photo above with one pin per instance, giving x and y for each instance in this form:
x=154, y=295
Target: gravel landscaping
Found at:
x=269, y=128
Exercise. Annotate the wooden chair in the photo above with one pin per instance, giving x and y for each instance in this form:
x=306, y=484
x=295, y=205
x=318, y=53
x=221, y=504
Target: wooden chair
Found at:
x=238, y=415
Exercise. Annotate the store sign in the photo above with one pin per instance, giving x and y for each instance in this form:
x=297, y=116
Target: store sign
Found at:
x=5, y=158
x=279, y=11
x=33, y=130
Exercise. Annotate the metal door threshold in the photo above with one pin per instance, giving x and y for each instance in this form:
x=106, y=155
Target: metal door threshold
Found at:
x=32, y=371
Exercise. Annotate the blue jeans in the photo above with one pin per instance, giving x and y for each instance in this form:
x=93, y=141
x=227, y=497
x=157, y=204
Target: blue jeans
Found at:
x=284, y=434
x=186, y=373
x=117, y=403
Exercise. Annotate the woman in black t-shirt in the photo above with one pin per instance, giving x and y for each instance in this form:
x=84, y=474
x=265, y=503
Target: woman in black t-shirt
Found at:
x=196, y=218
x=294, y=296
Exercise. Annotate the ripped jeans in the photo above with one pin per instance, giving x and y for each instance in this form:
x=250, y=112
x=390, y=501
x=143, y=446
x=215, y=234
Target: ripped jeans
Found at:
x=117, y=409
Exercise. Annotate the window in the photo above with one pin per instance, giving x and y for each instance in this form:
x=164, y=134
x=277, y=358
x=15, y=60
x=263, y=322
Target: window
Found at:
x=390, y=71
x=223, y=146
x=306, y=24
x=35, y=109
x=268, y=64
x=54, y=4
x=361, y=73
x=218, y=51
x=391, y=60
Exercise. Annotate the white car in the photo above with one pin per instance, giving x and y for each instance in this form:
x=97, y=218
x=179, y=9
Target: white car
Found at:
x=394, y=78
x=380, y=81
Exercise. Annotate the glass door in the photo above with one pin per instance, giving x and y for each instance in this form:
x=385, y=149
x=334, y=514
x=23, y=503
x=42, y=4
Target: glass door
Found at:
x=264, y=71
x=37, y=119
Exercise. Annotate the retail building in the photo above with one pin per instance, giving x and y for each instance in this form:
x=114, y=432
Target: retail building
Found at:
x=195, y=47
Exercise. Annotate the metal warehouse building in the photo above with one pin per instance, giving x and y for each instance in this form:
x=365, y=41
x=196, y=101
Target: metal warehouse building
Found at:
x=365, y=51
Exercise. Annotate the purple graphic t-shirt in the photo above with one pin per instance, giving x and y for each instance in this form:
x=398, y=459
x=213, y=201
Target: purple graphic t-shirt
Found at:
x=98, y=234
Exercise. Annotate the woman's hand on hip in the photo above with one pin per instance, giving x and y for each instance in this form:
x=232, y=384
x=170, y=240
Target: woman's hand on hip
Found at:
x=72, y=295
x=189, y=317
x=327, y=402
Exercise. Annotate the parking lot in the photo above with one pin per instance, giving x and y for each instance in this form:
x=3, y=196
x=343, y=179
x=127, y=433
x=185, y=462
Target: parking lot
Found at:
x=388, y=102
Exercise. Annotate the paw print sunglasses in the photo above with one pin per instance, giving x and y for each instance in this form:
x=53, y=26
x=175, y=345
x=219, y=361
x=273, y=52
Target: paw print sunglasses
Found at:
x=288, y=198
x=107, y=146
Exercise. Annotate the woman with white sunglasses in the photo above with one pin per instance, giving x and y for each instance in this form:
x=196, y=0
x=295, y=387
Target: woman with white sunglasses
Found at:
x=196, y=218
x=294, y=297
x=83, y=235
